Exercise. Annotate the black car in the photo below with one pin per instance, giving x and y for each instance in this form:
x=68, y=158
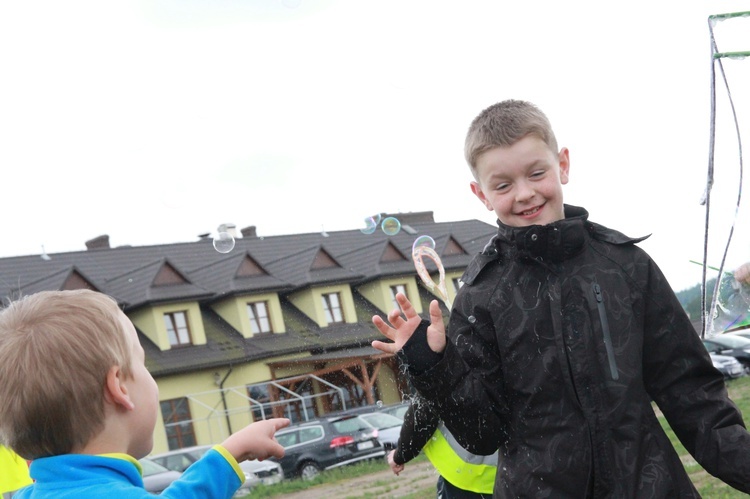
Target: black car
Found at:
x=732, y=345
x=326, y=443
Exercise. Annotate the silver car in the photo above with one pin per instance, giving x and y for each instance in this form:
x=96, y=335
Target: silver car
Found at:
x=256, y=472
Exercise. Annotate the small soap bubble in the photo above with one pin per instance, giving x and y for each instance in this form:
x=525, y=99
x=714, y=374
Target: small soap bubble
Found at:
x=391, y=226
x=379, y=404
x=371, y=223
x=425, y=241
x=224, y=242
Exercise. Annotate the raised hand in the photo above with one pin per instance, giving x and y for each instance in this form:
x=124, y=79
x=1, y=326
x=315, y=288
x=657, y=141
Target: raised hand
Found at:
x=403, y=326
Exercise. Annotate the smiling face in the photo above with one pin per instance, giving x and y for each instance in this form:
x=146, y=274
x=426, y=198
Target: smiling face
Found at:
x=522, y=183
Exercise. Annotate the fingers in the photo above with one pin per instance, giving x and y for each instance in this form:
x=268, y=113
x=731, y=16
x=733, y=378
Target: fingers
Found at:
x=742, y=273
x=384, y=328
x=279, y=423
x=405, y=305
x=384, y=347
x=436, y=316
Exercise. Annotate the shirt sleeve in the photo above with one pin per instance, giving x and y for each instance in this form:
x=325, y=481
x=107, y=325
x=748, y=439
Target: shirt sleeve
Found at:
x=691, y=393
x=420, y=423
x=215, y=475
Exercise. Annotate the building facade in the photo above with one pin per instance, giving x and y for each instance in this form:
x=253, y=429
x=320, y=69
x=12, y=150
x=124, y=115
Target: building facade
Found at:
x=278, y=326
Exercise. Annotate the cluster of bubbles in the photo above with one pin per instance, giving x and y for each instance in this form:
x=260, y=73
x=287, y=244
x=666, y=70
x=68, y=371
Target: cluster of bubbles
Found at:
x=423, y=247
x=389, y=225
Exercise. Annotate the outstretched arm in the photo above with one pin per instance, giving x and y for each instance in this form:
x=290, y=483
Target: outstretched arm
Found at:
x=402, y=327
x=256, y=440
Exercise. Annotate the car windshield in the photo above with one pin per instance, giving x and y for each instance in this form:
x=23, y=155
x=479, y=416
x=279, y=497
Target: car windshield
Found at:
x=731, y=341
x=151, y=468
x=381, y=421
x=350, y=424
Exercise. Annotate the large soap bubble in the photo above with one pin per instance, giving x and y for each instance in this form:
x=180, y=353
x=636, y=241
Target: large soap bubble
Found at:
x=424, y=246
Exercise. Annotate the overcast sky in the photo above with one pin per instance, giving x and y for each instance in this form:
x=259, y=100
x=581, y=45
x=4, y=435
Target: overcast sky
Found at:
x=156, y=121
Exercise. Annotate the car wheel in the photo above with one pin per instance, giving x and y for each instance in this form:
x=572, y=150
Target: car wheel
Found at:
x=309, y=470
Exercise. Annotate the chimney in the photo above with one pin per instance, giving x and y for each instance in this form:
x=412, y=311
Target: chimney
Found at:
x=249, y=231
x=99, y=242
x=230, y=229
x=413, y=217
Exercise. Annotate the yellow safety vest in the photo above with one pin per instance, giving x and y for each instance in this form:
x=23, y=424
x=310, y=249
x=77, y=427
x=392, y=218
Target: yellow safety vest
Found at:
x=460, y=467
x=14, y=472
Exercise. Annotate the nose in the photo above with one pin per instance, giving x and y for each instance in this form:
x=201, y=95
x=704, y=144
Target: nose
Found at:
x=524, y=192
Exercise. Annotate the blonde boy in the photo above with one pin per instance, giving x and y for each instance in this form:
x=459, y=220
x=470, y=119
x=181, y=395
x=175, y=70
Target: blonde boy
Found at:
x=562, y=335
x=79, y=402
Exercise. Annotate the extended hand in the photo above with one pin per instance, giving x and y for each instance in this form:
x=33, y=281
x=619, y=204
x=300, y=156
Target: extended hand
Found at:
x=256, y=440
x=402, y=327
x=742, y=273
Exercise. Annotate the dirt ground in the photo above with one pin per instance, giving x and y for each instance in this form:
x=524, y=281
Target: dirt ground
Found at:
x=417, y=478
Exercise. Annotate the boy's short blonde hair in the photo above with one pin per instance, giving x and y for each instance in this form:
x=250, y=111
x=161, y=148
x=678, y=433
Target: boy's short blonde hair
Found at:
x=502, y=125
x=56, y=348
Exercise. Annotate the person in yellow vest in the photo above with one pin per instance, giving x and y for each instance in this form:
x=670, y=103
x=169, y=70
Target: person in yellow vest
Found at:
x=14, y=472
x=462, y=474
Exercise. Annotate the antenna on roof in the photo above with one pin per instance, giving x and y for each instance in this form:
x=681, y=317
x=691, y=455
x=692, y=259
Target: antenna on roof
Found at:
x=44, y=255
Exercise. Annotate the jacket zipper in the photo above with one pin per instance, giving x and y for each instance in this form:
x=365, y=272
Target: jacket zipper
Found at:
x=605, y=331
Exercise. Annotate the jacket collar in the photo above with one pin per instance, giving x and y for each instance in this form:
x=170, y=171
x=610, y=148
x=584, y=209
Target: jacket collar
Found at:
x=554, y=242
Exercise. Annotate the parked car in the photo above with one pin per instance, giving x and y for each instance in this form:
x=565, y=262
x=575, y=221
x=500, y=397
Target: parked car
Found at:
x=397, y=410
x=732, y=345
x=155, y=476
x=325, y=443
x=745, y=333
x=255, y=471
x=728, y=366
x=388, y=426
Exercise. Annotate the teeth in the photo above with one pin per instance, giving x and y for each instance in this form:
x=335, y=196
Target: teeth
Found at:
x=530, y=212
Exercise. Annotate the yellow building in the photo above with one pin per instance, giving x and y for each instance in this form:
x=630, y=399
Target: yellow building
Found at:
x=278, y=326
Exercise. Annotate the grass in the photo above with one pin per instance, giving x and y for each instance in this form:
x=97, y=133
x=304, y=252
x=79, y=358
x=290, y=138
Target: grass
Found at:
x=707, y=485
x=335, y=475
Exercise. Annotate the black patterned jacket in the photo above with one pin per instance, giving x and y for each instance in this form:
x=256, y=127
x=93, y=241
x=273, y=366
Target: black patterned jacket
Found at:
x=560, y=339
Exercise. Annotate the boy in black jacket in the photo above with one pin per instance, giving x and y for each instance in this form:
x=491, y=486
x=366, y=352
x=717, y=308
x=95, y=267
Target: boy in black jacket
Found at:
x=562, y=335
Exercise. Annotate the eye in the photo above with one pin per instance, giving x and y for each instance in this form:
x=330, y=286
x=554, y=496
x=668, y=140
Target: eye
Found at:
x=538, y=173
x=502, y=187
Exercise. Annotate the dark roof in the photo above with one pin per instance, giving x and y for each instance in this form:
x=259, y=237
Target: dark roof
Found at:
x=138, y=276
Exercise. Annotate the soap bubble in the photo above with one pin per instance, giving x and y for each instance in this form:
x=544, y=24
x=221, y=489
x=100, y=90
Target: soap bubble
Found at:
x=371, y=223
x=391, y=226
x=425, y=241
x=224, y=242
x=379, y=404
x=732, y=307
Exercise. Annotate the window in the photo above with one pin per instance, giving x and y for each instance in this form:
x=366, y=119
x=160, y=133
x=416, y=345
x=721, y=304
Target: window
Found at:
x=259, y=321
x=260, y=394
x=398, y=288
x=332, y=308
x=178, y=331
x=178, y=423
x=310, y=434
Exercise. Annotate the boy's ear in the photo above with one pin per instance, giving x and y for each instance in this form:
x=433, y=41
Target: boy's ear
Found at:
x=116, y=390
x=564, y=159
x=477, y=190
